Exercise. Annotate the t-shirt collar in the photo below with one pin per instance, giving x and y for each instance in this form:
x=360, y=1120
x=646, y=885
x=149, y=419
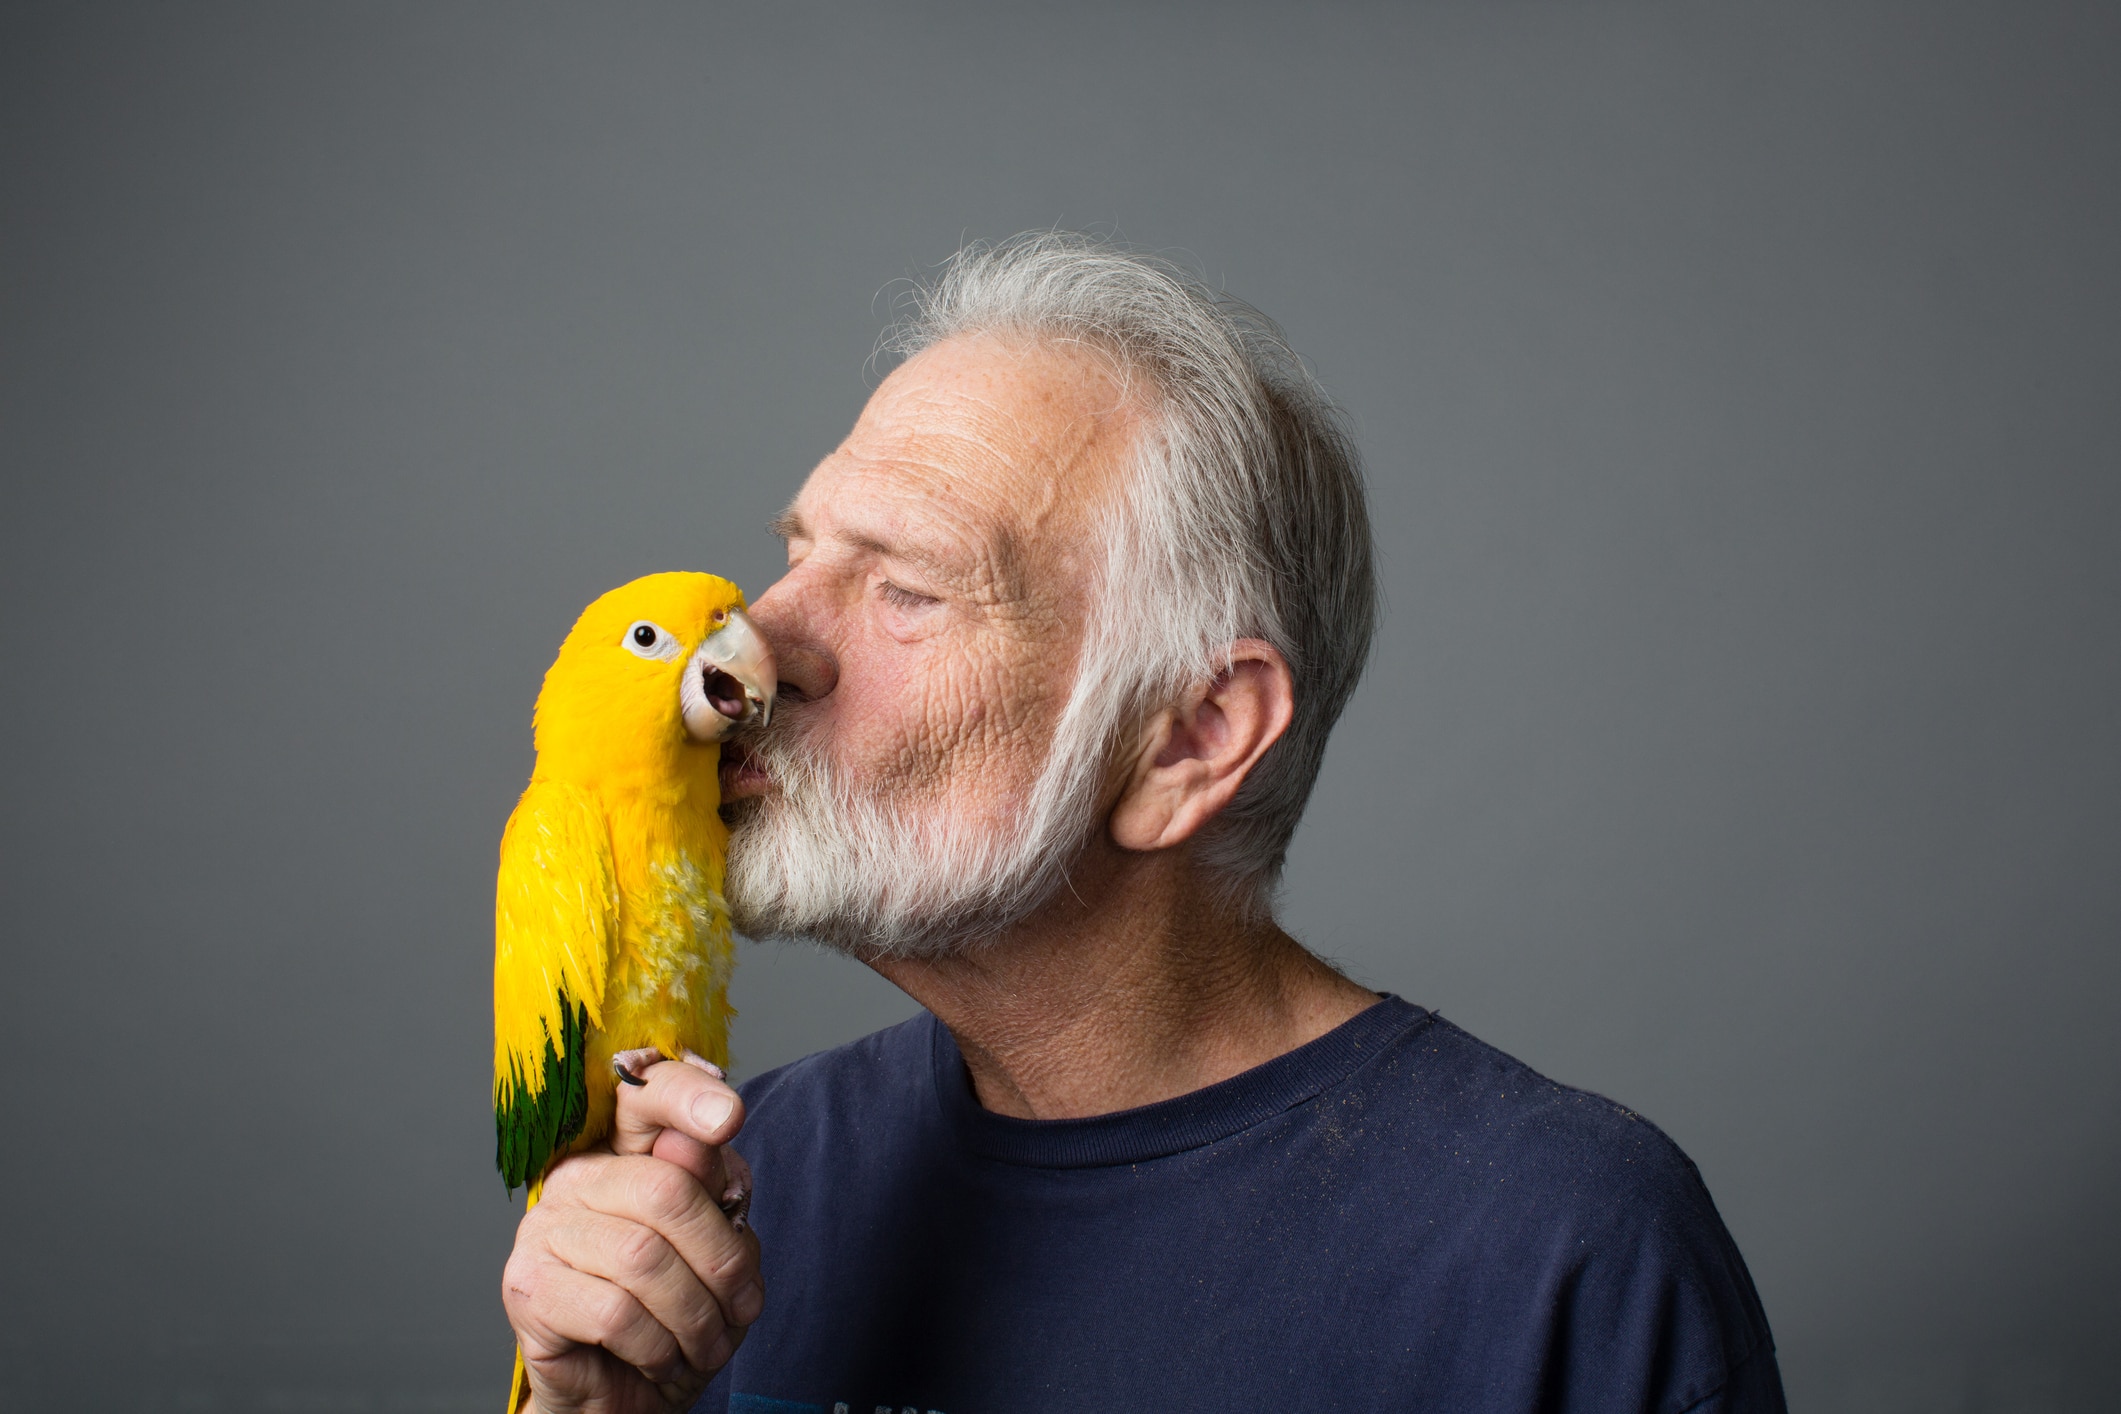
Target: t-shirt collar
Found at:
x=1169, y=1126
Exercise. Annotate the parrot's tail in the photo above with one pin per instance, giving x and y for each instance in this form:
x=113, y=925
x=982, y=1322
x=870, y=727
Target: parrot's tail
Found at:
x=519, y=1382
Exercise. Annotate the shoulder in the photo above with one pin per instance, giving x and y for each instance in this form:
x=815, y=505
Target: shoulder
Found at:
x=1547, y=1162
x=1491, y=1114
x=1557, y=1190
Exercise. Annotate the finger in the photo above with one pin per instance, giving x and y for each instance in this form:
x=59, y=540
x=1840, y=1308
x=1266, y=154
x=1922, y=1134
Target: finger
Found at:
x=589, y=1378
x=642, y=1262
x=712, y=1169
x=555, y=1308
x=722, y=1172
x=689, y=1154
x=646, y=1190
x=680, y=1097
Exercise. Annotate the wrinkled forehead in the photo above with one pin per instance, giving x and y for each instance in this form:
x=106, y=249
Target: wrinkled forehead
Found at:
x=1007, y=447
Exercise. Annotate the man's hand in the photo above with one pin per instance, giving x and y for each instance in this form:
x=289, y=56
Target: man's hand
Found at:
x=628, y=1287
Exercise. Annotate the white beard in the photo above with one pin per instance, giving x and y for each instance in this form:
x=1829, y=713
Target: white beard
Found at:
x=873, y=873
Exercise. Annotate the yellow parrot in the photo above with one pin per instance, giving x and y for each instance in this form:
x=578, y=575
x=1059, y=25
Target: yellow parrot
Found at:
x=612, y=947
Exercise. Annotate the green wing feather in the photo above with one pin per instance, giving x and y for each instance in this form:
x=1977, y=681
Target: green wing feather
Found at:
x=555, y=915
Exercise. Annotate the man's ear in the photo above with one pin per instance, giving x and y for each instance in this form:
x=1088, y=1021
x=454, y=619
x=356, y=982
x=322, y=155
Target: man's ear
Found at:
x=1199, y=751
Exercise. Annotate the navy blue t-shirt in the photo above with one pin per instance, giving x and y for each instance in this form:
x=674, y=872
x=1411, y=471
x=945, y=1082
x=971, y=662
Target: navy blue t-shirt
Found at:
x=1393, y=1217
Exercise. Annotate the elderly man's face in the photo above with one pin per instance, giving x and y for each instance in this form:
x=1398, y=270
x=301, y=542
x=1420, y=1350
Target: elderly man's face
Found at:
x=941, y=568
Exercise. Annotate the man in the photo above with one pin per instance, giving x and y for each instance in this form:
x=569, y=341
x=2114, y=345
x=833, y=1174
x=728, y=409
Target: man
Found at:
x=1067, y=620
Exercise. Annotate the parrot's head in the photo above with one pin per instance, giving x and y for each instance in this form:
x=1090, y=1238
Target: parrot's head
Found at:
x=652, y=677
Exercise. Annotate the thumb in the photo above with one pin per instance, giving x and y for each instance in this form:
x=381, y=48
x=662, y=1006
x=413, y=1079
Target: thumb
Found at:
x=682, y=1114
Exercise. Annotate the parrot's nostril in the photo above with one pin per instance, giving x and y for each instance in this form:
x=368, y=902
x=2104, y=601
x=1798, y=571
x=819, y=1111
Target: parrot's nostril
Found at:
x=724, y=693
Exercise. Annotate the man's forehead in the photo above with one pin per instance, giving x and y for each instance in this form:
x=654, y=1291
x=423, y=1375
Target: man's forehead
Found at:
x=1030, y=381
x=911, y=497
x=992, y=440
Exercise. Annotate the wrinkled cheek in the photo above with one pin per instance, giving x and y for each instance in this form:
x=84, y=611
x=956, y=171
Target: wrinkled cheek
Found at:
x=994, y=774
x=966, y=734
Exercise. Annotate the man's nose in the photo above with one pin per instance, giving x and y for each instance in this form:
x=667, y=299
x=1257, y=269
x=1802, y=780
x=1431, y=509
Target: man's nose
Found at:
x=806, y=667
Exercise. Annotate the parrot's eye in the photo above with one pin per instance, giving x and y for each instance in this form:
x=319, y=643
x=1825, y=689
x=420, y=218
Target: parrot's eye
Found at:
x=650, y=640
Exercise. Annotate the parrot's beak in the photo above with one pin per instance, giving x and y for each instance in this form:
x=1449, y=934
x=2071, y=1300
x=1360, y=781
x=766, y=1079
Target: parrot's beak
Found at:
x=729, y=680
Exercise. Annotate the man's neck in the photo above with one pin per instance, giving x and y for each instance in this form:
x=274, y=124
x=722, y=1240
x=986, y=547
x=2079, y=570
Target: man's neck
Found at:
x=1152, y=990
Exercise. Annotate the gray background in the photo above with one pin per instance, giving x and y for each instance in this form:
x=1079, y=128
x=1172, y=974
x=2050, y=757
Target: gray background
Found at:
x=1739, y=387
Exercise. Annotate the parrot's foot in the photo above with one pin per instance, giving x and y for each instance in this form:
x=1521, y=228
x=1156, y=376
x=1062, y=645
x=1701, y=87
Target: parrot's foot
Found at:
x=735, y=1201
x=632, y=1064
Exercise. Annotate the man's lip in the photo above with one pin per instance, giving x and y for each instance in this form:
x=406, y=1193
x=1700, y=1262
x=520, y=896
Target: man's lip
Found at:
x=741, y=776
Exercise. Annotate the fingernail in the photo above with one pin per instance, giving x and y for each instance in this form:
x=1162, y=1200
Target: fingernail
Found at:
x=748, y=1303
x=712, y=1110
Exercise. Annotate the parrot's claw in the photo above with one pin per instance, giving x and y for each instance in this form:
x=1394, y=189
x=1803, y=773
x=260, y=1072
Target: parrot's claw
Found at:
x=630, y=1064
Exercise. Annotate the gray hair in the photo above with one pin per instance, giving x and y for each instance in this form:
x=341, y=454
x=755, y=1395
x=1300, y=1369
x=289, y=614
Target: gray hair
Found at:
x=1244, y=516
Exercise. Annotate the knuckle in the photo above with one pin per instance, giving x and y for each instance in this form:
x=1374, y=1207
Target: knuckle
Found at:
x=639, y=1252
x=663, y=1189
x=536, y=1228
x=520, y=1268
x=731, y=1267
x=610, y=1312
x=523, y=1283
x=703, y=1337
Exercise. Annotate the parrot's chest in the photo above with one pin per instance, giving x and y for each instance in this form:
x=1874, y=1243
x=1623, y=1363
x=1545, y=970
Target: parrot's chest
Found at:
x=669, y=978
x=675, y=948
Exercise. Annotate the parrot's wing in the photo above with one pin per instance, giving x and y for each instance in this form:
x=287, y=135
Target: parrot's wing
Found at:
x=555, y=915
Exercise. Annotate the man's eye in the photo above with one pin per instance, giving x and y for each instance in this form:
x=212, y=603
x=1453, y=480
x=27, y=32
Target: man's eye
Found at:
x=904, y=598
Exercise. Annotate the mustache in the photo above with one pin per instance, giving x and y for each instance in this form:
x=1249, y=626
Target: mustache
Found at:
x=794, y=728
x=789, y=753
x=791, y=743
x=801, y=771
